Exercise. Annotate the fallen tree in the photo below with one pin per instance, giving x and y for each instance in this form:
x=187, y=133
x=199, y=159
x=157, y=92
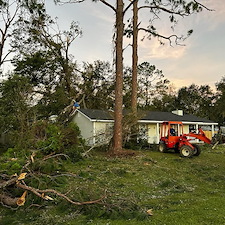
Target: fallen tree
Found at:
x=8, y=183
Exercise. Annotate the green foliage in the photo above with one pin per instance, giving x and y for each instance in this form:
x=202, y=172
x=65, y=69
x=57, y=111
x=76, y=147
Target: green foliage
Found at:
x=149, y=79
x=151, y=85
x=9, y=153
x=50, y=166
x=55, y=138
x=46, y=138
x=42, y=56
x=173, y=187
x=97, y=85
x=75, y=153
x=135, y=144
x=14, y=102
x=52, y=142
x=219, y=109
x=196, y=100
x=12, y=161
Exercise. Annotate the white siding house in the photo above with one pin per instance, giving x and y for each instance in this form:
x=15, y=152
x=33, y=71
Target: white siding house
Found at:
x=93, y=129
x=96, y=126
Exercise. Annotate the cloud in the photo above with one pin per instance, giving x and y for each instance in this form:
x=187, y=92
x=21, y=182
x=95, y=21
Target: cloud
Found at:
x=153, y=49
x=211, y=19
x=194, y=68
x=102, y=13
x=217, y=7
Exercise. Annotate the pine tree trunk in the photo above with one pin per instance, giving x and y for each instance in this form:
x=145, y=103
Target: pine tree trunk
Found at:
x=134, y=59
x=118, y=116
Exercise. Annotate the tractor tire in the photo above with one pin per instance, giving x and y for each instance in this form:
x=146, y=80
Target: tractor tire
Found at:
x=186, y=151
x=197, y=150
x=162, y=147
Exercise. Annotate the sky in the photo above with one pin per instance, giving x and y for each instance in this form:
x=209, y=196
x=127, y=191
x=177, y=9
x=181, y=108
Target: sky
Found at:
x=200, y=59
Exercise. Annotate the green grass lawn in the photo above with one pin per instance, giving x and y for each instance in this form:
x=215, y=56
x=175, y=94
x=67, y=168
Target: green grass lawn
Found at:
x=179, y=191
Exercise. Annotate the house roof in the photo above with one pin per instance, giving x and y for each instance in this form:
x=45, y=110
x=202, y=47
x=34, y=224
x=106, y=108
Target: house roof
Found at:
x=147, y=116
x=96, y=114
x=169, y=116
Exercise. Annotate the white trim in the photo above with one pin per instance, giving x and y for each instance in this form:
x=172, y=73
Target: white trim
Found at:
x=157, y=132
x=213, y=130
x=103, y=121
x=197, y=140
x=184, y=122
x=94, y=133
x=200, y=123
x=150, y=121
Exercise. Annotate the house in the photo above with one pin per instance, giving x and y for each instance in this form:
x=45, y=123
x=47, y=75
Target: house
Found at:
x=96, y=126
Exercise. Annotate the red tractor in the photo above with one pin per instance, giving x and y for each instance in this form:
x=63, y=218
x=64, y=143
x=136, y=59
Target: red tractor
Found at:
x=172, y=137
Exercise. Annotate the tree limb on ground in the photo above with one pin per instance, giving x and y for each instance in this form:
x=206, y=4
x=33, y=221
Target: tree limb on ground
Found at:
x=17, y=181
x=41, y=194
x=19, y=201
x=55, y=155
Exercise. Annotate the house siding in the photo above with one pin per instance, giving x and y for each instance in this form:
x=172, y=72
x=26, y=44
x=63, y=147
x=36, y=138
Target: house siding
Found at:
x=86, y=127
x=153, y=134
x=103, y=132
x=186, y=128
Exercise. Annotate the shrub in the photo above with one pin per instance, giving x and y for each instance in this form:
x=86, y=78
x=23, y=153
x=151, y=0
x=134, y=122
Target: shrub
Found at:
x=44, y=138
x=52, y=141
x=59, y=139
x=137, y=144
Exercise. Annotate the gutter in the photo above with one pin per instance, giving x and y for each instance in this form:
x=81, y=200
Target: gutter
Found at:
x=184, y=122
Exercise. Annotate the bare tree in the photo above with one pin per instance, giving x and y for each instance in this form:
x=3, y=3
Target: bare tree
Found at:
x=8, y=10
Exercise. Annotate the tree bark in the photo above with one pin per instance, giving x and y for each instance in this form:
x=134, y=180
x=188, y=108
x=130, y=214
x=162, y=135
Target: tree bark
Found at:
x=118, y=115
x=134, y=59
x=7, y=200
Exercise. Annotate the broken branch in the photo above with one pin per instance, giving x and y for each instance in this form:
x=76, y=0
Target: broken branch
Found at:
x=41, y=194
